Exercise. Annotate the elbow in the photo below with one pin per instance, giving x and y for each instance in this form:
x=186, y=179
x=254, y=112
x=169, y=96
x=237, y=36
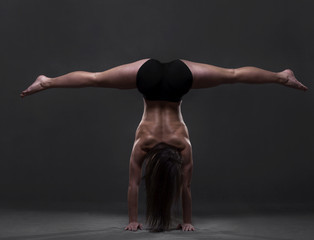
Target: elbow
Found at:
x=186, y=186
x=186, y=190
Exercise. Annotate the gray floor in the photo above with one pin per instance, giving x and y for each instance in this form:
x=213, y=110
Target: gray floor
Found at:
x=18, y=224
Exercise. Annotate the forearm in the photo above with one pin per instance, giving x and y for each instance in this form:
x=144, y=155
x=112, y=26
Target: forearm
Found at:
x=187, y=205
x=133, y=202
x=75, y=79
x=256, y=75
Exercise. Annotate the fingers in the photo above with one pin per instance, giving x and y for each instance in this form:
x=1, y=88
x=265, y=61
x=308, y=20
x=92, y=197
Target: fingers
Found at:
x=134, y=227
x=186, y=227
x=130, y=228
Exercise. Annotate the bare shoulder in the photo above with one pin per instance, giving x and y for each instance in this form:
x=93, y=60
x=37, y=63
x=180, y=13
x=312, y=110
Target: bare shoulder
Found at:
x=186, y=153
x=187, y=165
x=145, y=143
x=138, y=153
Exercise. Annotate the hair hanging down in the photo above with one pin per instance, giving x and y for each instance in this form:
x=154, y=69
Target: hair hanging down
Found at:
x=163, y=183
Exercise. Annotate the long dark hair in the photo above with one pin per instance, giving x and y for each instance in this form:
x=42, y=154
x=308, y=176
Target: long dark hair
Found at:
x=163, y=185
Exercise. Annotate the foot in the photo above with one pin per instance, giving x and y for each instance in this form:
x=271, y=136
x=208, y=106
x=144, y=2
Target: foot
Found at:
x=40, y=84
x=289, y=80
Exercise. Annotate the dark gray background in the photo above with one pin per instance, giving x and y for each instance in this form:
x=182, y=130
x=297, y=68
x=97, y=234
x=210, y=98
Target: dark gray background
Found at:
x=251, y=143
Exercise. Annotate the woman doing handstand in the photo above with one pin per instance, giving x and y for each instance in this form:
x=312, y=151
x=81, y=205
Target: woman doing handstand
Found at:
x=162, y=138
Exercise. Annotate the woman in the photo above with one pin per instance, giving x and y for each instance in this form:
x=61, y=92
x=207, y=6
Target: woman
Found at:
x=162, y=139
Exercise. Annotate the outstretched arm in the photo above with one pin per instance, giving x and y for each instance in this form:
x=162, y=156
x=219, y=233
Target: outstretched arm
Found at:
x=205, y=76
x=122, y=77
x=187, y=169
x=136, y=162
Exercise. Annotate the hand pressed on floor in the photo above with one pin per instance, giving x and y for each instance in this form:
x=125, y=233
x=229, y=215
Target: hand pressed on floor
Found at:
x=186, y=227
x=133, y=226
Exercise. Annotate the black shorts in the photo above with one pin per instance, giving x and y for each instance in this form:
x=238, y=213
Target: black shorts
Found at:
x=164, y=81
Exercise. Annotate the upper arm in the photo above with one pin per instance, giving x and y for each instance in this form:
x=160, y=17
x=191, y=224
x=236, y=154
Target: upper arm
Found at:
x=187, y=165
x=206, y=75
x=135, y=165
x=122, y=76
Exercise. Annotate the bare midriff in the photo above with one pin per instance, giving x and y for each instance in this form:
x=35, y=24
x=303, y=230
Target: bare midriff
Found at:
x=162, y=121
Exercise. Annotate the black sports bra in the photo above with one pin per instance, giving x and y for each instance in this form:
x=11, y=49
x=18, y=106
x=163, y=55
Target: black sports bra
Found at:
x=164, y=81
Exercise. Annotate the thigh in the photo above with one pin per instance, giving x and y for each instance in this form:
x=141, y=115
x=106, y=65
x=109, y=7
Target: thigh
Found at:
x=206, y=75
x=122, y=76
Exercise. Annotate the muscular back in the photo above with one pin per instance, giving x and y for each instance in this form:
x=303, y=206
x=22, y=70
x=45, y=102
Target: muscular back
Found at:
x=162, y=122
